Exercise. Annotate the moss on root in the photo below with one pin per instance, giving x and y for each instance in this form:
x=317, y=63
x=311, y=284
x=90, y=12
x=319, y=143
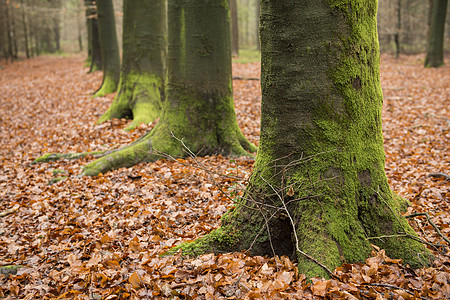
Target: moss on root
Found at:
x=139, y=98
x=49, y=157
x=109, y=85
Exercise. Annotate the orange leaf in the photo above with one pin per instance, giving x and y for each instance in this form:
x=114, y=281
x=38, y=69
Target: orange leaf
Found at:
x=135, y=280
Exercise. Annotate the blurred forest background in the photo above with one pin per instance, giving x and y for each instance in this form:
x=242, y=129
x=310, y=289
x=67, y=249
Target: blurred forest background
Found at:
x=30, y=28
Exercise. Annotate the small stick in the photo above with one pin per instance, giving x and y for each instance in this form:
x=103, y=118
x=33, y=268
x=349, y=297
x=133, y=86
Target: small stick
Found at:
x=416, y=214
x=439, y=175
x=393, y=287
x=9, y=211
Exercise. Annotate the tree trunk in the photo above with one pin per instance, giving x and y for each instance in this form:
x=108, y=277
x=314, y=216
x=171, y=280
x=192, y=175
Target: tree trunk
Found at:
x=96, y=53
x=319, y=186
x=13, y=32
x=8, y=32
x=258, y=15
x=399, y=28
x=109, y=48
x=2, y=29
x=435, y=48
x=141, y=87
x=198, y=113
x=25, y=30
x=234, y=28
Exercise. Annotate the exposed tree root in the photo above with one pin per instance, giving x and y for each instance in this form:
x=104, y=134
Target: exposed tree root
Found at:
x=138, y=98
x=158, y=144
x=49, y=157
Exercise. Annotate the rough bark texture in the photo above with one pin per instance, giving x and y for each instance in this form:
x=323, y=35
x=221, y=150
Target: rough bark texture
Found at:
x=109, y=48
x=319, y=183
x=435, y=48
x=234, y=28
x=141, y=88
x=94, y=59
x=198, y=113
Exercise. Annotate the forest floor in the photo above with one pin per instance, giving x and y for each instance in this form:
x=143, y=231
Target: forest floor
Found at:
x=99, y=238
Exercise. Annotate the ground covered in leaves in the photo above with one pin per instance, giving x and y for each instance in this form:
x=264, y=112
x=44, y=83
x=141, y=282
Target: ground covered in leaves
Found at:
x=100, y=238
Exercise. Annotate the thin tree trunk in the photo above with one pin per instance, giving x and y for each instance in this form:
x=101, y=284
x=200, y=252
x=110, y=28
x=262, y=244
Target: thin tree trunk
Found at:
x=2, y=30
x=8, y=32
x=399, y=27
x=25, y=30
x=13, y=33
x=234, y=28
x=258, y=15
x=435, y=48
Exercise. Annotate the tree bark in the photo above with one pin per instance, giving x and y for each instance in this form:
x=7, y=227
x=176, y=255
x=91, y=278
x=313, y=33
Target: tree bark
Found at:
x=25, y=30
x=258, y=15
x=234, y=28
x=2, y=30
x=319, y=189
x=141, y=88
x=109, y=48
x=198, y=113
x=94, y=59
x=435, y=48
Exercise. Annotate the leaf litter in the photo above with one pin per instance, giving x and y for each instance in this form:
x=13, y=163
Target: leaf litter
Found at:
x=72, y=237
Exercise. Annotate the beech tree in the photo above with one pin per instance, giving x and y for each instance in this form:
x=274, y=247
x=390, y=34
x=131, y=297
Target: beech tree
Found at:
x=109, y=48
x=94, y=59
x=198, y=113
x=319, y=192
x=141, y=88
x=435, y=47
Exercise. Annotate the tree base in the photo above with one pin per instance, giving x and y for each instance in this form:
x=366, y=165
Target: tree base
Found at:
x=162, y=143
x=325, y=237
x=109, y=85
x=139, y=98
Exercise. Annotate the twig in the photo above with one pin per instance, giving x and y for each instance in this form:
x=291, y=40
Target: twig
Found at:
x=9, y=211
x=436, y=246
x=295, y=233
x=245, y=78
x=393, y=287
x=431, y=222
x=440, y=175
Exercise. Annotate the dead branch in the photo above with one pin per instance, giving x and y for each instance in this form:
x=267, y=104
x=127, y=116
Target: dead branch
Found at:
x=9, y=211
x=245, y=78
x=436, y=246
x=390, y=286
x=431, y=223
x=295, y=233
x=440, y=175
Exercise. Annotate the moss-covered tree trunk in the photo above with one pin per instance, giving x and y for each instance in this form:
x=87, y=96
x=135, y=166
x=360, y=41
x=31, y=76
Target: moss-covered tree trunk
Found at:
x=435, y=47
x=94, y=59
x=109, y=48
x=141, y=88
x=319, y=184
x=198, y=113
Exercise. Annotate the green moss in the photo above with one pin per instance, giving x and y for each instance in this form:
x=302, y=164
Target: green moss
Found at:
x=49, y=157
x=58, y=171
x=219, y=240
x=11, y=269
x=139, y=97
x=109, y=86
x=56, y=179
